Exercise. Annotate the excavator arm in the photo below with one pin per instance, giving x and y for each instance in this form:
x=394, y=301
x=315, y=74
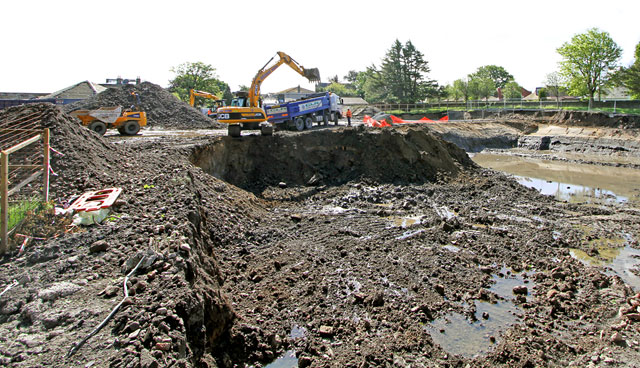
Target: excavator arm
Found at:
x=193, y=93
x=312, y=74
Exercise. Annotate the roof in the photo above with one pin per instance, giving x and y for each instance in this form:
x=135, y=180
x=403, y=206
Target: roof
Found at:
x=351, y=101
x=297, y=89
x=20, y=95
x=78, y=91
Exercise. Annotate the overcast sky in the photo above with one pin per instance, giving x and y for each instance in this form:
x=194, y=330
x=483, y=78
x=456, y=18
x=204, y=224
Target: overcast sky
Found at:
x=49, y=45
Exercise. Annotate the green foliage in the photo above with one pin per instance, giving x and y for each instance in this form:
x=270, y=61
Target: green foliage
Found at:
x=340, y=89
x=481, y=86
x=198, y=76
x=588, y=61
x=404, y=75
x=18, y=212
x=460, y=89
x=512, y=90
x=630, y=77
x=351, y=76
x=369, y=85
x=497, y=74
x=542, y=94
x=555, y=85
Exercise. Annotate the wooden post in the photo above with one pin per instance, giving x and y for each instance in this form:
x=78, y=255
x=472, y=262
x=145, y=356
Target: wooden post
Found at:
x=45, y=166
x=4, y=190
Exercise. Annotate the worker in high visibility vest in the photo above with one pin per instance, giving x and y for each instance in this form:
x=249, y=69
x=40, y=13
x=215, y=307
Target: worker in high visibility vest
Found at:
x=348, y=117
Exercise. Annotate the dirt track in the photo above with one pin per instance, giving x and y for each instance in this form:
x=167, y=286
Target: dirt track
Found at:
x=350, y=259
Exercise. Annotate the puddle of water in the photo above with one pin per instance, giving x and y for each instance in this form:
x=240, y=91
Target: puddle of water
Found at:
x=571, y=192
x=586, y=182
x=333, y=210
x=459, y=336
x=451, y=248
x=620, y=261
x=287, y=360
x=404, y=221
x=298, y=332
x=408, y=234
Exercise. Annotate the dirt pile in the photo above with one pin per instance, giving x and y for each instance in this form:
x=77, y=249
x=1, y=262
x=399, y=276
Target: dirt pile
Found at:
x=332, y=156
x=600, y=119
x=163, y=109
x=69, y=284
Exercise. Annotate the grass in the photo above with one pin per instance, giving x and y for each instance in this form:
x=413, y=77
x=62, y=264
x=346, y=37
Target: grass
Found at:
x=436, y=110
x=18, y=212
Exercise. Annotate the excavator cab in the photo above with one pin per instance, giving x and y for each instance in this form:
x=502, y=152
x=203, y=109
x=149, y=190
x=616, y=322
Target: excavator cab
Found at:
x=241, y=99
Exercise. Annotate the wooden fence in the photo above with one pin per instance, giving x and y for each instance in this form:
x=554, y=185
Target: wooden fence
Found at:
x=35, y=171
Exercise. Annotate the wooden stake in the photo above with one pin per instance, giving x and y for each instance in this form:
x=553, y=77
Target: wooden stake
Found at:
x=45, y=189
x=4, y=191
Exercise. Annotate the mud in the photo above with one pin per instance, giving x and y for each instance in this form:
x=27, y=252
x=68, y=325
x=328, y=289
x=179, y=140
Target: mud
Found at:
x=257, y=261
x=163, y=109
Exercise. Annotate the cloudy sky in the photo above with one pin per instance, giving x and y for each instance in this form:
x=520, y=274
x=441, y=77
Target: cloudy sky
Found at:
x=49, y=45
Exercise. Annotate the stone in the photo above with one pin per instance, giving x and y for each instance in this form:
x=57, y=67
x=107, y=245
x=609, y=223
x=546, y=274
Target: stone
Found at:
x=163, y=346
x=147, y=360
x=58, y=290
x=617, y=338
x=134, y=334
x=185, y=247
x=161, y=311
x=99, y=246
x=439, y=289
x=325, y=331
x=520, y=290
x=282, y=184
x=304, y=362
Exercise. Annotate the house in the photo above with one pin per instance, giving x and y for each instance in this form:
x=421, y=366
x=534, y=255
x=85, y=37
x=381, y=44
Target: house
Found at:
x=76, y=92
x=288, y=94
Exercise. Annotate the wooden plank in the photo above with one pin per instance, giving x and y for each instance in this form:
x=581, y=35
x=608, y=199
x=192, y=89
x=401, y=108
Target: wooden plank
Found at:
x=23, y=144
x=45, y=168
x=26, y=181
x=25, y=166
x=4, y=186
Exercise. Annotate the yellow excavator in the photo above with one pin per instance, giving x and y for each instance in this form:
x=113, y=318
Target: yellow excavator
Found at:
x=193, y=93
x=246, y=112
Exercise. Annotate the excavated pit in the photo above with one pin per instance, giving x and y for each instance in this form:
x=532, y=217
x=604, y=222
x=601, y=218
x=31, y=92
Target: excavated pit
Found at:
x=332, y=157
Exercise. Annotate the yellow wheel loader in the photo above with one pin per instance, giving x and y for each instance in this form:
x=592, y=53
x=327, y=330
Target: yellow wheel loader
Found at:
x=127, y=122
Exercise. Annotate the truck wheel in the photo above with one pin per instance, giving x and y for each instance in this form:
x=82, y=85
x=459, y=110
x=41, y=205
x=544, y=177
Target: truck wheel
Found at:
x=131, y=127
x=266, y=130
x=308, y=122
x=98, y=127
x=234, y=130
x=299, y=124
x=335, y=118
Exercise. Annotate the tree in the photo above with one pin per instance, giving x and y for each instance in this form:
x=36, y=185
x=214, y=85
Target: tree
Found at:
x=588, y=60
x=630, y=77
x=481, y=86
x=497, y=74
x=460, y=89
x=198, y=76
x=512, y=90
x=351, y=76
x=334, y=79
x=554, y=85
x=369, y=85
x=404, y=74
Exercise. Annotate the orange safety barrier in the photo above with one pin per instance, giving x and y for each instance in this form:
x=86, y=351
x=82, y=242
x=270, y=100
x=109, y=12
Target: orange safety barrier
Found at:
x=396, y=120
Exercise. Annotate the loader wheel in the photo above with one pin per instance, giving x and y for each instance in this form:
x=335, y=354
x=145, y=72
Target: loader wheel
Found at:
x=299, y=124
x=308, y=122
x=131, y=127
x=234, y=130
x=98, y=127
x=325, y=118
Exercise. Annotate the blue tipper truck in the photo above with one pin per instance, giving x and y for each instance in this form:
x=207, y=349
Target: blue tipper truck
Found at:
x=301, y=114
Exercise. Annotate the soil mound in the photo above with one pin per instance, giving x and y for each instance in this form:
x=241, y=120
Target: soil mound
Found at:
x=600, y=119
x=163, y=109
x=332, y=156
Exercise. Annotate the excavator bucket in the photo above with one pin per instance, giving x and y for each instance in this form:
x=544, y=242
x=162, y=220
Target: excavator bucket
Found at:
x=313, y=74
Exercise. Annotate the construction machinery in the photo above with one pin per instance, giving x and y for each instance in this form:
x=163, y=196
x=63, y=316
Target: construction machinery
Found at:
x=245, y=111
x=193, y=93
x=127, y=121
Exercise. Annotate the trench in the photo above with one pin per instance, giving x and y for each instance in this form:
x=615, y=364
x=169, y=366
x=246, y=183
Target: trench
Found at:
x=330, y=157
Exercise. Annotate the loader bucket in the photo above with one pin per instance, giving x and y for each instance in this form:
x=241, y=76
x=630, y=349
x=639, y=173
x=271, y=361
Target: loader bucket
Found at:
x=313, y=74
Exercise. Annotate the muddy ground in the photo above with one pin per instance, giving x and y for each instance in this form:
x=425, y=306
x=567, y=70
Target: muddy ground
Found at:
x=347, y=246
